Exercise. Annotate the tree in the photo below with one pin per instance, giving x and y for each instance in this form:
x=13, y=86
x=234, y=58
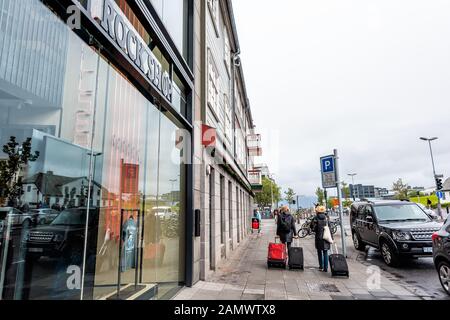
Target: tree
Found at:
x=289, y=195
x=320, y=195
x=401, y=190
x=18, y=156
x=264, y=198
x=345, y=190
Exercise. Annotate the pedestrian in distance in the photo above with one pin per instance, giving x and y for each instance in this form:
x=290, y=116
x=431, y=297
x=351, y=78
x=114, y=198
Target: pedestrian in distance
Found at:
x=286, y=227
x=275, y=215
x=319, y=224
x=257, y=215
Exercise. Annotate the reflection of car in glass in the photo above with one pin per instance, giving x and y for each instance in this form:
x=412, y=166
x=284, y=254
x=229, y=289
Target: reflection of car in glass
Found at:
x=17, y=218
x=441, y=255
x=397, y=228
x=44, y=216
x=163, y=212
x=65, y=235
x=429, y=212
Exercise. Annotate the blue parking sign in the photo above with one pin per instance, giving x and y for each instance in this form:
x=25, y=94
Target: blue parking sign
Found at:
x=328, y=168
x=440, y=195
x=327, y=164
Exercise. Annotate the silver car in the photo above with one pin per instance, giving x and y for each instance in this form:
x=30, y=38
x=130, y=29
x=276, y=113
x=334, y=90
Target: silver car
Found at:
x=15, y=217
x=44, y=216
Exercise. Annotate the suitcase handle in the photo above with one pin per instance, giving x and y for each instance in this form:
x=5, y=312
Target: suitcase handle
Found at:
x=336, y=247
x=277, y=238
x=296, y=242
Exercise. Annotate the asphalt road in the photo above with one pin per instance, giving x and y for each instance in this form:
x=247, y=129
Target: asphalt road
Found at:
x=418, y=273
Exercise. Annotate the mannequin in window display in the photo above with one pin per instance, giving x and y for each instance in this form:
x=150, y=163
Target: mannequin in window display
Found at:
x=129, y=231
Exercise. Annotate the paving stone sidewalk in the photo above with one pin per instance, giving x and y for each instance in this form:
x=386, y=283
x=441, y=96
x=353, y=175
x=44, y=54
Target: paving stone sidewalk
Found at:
x=245, y=276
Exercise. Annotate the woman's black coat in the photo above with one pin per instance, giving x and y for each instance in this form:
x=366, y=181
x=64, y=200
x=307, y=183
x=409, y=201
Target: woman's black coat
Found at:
x=286, y=237
x=319, y=223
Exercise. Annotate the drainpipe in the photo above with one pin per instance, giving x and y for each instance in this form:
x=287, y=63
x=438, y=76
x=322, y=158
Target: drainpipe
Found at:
x=236, y=63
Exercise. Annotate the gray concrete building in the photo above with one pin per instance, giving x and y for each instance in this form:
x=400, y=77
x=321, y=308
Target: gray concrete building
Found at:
x=223, y=124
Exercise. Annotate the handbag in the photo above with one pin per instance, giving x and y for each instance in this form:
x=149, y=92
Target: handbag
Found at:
x=327, y=235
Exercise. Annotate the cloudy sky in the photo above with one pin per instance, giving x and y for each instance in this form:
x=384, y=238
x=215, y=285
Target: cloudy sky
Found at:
x=366, y=77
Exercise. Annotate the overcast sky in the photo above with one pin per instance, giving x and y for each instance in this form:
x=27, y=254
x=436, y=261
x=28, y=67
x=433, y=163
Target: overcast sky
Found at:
x=366, y=77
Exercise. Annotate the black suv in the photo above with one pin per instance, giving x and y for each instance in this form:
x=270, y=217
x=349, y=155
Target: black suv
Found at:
x=441, y=255
x=399, y=229
x=64, y=236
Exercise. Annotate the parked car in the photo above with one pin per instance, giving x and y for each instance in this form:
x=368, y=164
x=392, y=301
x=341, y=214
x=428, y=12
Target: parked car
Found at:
x=44, y=216
x=399, y=229
x=441, y=254
x=64, y=236
x=17, y=218
x=164, y=212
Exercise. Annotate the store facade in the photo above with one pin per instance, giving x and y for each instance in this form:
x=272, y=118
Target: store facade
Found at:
x=95, y=121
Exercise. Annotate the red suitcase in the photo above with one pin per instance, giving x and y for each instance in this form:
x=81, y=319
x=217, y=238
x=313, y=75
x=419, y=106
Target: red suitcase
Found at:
x=277, y=255
x=255, y=224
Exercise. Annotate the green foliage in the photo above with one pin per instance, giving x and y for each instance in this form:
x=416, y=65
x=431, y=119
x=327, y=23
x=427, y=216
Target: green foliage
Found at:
x=345, y=190
x=401, y=190
x=289, y=195
x=347, y=203
x=18, y=157
x=320, y=195
x=264, y=198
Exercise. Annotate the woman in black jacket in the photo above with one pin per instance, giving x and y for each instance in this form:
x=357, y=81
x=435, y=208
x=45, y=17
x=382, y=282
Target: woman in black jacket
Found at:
x=286, y=227
x=320, y=221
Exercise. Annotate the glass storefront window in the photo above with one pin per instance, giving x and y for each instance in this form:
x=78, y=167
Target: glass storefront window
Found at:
x=174, y=16
x=93, y=161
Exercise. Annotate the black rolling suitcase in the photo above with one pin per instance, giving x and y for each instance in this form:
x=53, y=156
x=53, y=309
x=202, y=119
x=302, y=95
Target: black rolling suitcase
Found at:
x=338, y=264
x=295, y=256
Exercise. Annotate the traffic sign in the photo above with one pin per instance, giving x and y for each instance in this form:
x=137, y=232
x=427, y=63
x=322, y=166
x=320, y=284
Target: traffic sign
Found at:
x=440, y=195
x=328, y=169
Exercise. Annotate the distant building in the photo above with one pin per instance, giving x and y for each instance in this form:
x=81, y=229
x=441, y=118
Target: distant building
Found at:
x=361, y=191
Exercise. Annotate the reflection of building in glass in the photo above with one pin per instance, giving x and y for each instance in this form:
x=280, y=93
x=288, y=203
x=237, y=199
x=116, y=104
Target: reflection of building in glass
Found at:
x=49, y=189
x=32, y=70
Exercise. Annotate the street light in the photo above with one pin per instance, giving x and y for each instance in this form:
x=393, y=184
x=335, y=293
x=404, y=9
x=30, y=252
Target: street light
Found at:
x=434, y=171
x=353, y=184
x=271, y=188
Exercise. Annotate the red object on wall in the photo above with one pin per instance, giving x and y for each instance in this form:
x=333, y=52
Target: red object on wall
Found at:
x=209, y=135
x=130, y=178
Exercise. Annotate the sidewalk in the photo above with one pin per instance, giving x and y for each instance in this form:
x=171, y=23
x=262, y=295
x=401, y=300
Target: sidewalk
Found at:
x=245, y=277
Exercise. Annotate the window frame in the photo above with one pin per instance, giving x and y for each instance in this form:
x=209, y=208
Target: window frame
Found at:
x=213, y=6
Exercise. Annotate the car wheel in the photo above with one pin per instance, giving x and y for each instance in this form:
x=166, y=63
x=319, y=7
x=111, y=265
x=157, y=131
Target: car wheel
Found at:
x=359, y=245
x=389, y=256
x=444, y=275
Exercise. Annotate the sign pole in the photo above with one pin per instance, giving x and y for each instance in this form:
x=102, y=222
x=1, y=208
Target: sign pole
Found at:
x=338, y=186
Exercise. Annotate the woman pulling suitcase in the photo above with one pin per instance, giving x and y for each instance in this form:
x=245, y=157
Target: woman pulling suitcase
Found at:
x=319, y=226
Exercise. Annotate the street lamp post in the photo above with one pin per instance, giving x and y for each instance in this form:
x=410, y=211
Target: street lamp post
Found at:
x=434, y=171
x=353, y=184
x=271, y=189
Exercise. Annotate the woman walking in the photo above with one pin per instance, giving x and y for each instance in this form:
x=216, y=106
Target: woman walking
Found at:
x=320, y=222
x=286, y=227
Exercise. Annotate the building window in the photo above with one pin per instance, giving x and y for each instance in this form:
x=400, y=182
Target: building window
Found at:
x=227, y=51
x=228, y=119
x=213, y=83
x=213, y=6
x=222, y=210
x=230, y=208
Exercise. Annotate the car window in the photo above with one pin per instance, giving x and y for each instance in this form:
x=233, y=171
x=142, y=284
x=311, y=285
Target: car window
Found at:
x=400, y=213
x=368, y=211
x=15, y=211
x=361, y=212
